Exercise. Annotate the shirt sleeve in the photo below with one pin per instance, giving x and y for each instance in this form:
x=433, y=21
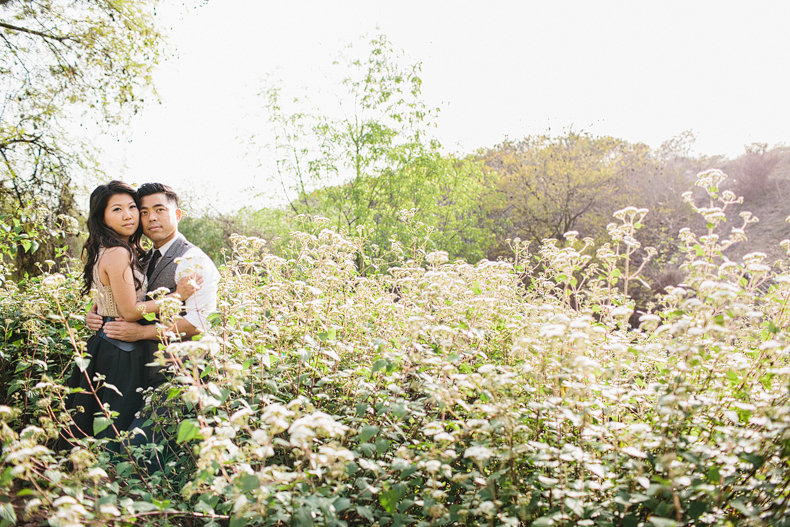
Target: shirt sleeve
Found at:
x=204, y=302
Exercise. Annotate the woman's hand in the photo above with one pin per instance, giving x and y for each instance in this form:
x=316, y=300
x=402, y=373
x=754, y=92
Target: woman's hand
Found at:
x=187, y=286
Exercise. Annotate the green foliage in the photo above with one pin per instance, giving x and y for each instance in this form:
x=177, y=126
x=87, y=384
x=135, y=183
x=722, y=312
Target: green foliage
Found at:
x=363, y=169
x=213, y=232
x=553, y=185
x=445, y=393
x=58, y=58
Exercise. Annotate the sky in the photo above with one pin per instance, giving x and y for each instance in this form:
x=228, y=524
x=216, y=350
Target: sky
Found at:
x=643, y=71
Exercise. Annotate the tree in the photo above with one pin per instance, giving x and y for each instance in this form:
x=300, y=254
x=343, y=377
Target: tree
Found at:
x=65, y=63
x=552, y=185
x=373, y=158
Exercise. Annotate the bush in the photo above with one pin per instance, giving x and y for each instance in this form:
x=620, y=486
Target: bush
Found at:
x=448, y=393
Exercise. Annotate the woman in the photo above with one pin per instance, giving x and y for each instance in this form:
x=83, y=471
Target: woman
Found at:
x=113, y=269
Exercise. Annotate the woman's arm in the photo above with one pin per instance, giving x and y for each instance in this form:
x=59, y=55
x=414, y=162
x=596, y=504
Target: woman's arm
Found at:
x=117, y=269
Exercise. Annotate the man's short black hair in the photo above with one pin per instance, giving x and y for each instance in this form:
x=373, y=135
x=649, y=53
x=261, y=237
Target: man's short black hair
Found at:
x=146, y=189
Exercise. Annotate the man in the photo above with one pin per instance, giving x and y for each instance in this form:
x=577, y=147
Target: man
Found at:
x=171, y=258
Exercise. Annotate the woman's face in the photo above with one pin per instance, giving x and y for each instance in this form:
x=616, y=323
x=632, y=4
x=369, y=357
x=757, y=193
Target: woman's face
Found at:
x=122, y=215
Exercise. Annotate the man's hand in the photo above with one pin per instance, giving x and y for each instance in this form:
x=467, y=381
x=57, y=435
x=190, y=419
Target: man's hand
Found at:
x=188, y=285
x=93, y=320
x=120, y=329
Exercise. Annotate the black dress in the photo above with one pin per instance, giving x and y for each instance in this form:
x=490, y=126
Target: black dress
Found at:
x=122, y=366
x=123, y=372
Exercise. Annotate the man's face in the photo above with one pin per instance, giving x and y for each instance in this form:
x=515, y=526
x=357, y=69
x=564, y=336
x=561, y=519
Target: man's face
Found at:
x=159, y=217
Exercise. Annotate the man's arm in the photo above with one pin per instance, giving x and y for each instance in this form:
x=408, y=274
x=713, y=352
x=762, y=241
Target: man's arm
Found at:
x=198, y=306
x=204, y=302
x=120, y=329
x=132, y=331
x=93, y=320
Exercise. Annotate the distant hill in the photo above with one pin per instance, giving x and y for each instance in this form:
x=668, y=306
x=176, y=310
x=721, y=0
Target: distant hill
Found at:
x=762, y=177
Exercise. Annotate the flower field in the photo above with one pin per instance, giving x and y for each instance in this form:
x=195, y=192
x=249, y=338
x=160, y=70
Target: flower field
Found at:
x=337, y=390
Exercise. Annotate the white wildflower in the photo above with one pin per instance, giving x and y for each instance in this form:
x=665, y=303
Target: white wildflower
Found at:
x=478, y=453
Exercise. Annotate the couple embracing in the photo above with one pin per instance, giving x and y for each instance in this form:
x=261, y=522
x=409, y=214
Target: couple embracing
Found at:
x=122, y=274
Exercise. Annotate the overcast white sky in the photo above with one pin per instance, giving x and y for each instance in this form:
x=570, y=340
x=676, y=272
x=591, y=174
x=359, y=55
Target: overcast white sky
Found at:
x=643, y=71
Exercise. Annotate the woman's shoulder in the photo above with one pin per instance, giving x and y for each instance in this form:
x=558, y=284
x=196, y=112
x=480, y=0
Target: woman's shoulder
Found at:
x=110, y=255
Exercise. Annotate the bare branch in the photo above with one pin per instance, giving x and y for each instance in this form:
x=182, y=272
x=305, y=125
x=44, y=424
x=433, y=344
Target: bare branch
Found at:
x=61, y=38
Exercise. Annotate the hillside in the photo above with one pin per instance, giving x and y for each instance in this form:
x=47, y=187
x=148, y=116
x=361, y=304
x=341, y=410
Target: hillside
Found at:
x=768, y=201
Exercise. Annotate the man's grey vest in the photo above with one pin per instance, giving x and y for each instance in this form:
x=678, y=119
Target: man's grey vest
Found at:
x=164, y=276
x=165, y=271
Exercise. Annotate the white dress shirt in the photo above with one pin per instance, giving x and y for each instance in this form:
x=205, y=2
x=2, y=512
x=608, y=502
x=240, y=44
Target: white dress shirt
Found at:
x=204, y=302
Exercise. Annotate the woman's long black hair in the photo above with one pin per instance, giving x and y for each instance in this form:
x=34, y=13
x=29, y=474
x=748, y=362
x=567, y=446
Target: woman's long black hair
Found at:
x=100, y=235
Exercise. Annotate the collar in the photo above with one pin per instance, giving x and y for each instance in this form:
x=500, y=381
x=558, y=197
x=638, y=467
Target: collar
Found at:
x=166, y=247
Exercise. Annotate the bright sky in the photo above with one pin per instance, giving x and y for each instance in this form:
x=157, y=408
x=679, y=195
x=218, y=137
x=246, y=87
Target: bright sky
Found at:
x=643, y=71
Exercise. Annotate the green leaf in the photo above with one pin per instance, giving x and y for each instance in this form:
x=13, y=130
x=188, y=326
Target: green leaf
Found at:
x=382, y=445
x=379, y=364
x=330, y=334
x=399, y=520
x=367, y=432
x=543, y=521
x=754, y=459
x=100, y=423
x=173, y=393
x=341, y=504
x=7, y=513
x=237, y=520
x=82, y=362
x=188, y=430
x=204, y=506
x=160, y=504
x=630, y=521
x=16, y=384
x=304, y=517
x=247, y=483
x=476, y=288
x=765, y=380
x=144, y=506
x=365, y=512
x=399, y=410
x=696, y=509
x=266, y=359
x=389, y=500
